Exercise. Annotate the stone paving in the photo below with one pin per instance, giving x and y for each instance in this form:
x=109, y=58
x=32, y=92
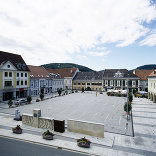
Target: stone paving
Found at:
x=143, y=142
x=86, y=106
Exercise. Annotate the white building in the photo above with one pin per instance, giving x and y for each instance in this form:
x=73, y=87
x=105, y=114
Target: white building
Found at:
x=152, y=86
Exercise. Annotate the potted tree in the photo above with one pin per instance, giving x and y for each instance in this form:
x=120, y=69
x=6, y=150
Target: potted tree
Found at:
x=48, y=135
x=130, y=98
x=29, y=99
x=129, y=107
x=41, y=96
x=59, y=92
x=17, y=129
x=83, y=142
x=10, y=103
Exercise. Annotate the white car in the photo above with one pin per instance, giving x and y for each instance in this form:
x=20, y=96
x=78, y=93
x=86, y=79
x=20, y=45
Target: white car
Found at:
x=20, y=101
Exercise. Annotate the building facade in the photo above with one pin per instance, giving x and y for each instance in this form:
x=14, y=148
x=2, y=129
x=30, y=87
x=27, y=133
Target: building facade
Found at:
x=88, y=81
x=152, y=86
x=143, y=74
x=117, y=79
x=43, y=82
x=14, y=77
x=67, y=73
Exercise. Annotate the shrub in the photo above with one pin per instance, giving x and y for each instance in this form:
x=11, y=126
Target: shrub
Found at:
x=10, y=103
x=59, y=91
x=29, y=99
x=82, y=90
x=112, y=94
x=41, y=96
x=48, y=133
x=129, y=107
x=130, y=97
x=37, y=100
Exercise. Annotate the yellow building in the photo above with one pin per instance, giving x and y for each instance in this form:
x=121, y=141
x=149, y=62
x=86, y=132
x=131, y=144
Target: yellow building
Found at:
x=152, y=86
x=88, y=81
x=14, y=77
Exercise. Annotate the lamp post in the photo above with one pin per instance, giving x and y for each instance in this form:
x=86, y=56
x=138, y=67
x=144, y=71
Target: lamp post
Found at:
x=127, y=97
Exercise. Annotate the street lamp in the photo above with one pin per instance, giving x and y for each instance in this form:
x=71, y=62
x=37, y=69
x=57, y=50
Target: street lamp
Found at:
x=127, y=96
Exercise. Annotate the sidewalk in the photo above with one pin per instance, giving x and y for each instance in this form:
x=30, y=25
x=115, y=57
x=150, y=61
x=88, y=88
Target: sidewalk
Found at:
x=144, y=119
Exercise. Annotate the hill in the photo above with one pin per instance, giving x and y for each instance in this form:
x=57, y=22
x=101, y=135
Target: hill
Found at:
x=147, y=67
x=66, y=65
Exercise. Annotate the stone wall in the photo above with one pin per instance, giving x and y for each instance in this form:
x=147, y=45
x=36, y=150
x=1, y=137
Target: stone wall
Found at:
x=40, y=122
x=27, y=119
x=85, y=127
x=46, y=123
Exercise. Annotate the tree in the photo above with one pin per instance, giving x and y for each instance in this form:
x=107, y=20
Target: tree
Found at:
x=59, y=91
x=29, y=99
x=41, y=96
x=129, y=107
x=10, y=103
x=82, y=90
x=130, y=98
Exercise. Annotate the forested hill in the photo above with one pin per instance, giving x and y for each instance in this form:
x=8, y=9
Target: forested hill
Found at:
x=147, y=67
x=66, y=65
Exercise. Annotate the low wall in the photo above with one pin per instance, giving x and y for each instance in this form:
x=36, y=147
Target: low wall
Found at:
x=27, y=119
x=46, y=123
x=41, y=122
x=84, y=127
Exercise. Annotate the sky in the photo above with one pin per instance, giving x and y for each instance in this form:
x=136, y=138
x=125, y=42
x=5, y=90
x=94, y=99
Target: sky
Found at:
x=99, y=34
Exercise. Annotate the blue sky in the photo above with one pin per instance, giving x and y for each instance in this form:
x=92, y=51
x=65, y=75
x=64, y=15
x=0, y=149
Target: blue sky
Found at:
x=99, y=34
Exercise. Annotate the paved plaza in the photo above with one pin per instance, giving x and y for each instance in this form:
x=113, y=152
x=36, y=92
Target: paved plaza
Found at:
x=104, y=109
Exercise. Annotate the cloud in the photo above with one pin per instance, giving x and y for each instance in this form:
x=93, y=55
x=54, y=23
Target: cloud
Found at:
x=51, y=30
x=93, y=53
x=81, y=57
x=150, y=40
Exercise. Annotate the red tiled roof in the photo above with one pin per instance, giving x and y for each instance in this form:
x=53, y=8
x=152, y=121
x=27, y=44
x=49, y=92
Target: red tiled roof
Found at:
x=65, y=72
x=153, y=74
x=38, y=72
x=143, y=74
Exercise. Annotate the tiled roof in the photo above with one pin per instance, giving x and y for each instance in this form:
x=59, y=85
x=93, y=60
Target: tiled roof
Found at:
x=15, y=59
x=110, y=73
x=38, y=72
x=153, y=74
x=143, y=74
x=65, y=72
x=89, y=76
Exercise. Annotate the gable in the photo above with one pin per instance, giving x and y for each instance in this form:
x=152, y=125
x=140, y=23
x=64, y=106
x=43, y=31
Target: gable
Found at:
x=8, y=66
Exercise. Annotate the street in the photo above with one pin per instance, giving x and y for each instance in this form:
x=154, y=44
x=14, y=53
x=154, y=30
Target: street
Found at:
x=19, y=148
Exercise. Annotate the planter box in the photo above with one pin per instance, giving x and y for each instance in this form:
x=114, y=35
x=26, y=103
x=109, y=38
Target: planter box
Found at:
x=17, y=131
x=47, y=137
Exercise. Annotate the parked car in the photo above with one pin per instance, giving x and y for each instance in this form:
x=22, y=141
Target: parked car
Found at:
x=20, y=102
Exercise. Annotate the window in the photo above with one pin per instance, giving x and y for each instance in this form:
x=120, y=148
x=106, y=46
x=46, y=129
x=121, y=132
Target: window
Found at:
x=26, y=83
x=8, y=83
x=83, y=83
x=106, y=82
x=74, y=83
x=10, y=74
x=25, y=74
x=78, y=83
x=88, y=83
x=17, y=74
x=111, y=83
x=118, y=83
x=21, y=74
x=6, y=74
x=133, y=83
x=17, y=83
x=21, y=82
